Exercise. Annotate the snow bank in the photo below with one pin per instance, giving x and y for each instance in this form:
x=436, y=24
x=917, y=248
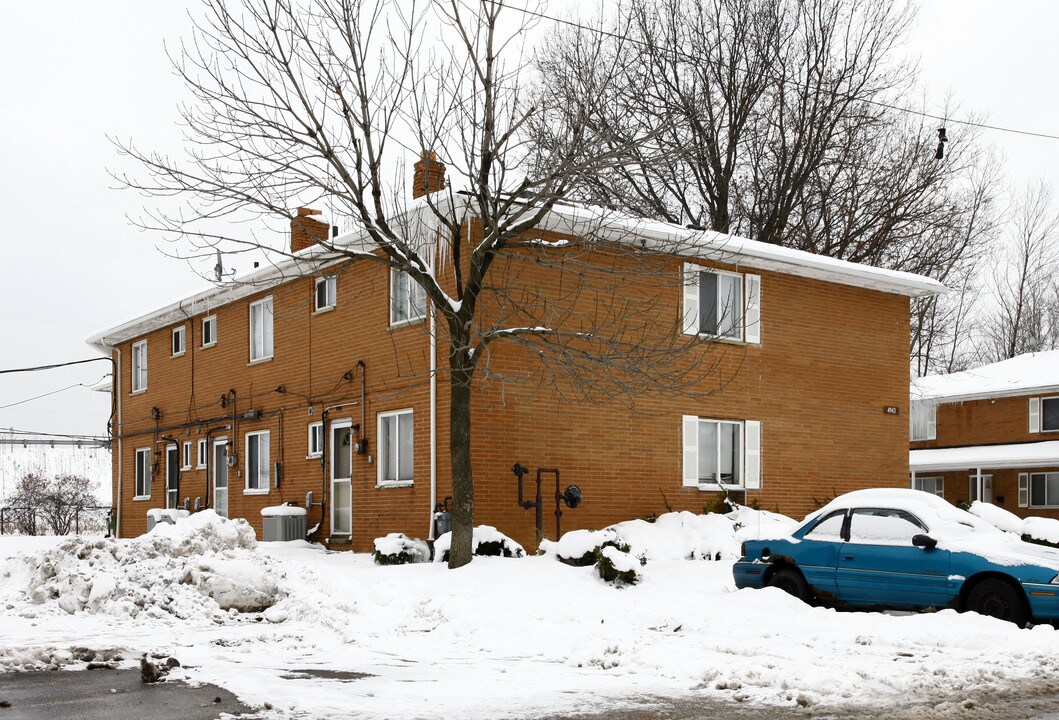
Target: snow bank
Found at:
x=398, y=549
x=677, y=535
x=203, y=565
x=1038, y=528
x=485, y=539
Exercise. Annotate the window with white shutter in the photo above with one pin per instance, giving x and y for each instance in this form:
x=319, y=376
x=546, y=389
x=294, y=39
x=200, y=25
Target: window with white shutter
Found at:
x=721, y=304
x=720, y=453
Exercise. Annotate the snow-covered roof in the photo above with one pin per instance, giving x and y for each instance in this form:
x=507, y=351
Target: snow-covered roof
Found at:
x=1021, y=375
x=986, y=457
x=564, y=218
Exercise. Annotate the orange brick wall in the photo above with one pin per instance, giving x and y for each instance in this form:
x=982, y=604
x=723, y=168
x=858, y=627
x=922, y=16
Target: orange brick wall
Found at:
x=831, y=358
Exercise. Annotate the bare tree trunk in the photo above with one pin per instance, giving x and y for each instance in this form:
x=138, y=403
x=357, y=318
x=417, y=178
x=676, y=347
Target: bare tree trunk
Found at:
x=461, y=548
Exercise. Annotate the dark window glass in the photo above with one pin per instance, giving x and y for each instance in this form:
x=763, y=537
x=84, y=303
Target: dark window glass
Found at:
x=1050, y=414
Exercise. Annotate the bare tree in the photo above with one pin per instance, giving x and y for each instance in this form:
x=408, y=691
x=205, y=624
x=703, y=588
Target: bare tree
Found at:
x=295, y=103
x=1025, y=282
x=39, y=503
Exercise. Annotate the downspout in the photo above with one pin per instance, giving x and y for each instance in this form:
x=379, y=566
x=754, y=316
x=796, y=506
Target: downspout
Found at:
x=433, y=421
x=121, y=432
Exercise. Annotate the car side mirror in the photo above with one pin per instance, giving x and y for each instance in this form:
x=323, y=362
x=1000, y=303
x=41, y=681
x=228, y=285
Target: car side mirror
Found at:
x=924, y=541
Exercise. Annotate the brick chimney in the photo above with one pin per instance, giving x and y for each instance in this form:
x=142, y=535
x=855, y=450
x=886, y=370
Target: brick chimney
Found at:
x=306, y=230
x=428, y=175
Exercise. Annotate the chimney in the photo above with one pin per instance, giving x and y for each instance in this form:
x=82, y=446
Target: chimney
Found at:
x=428, y=175
x=306, y=230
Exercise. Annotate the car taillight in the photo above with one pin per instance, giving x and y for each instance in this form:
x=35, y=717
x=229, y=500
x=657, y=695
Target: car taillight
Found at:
x=742, y=549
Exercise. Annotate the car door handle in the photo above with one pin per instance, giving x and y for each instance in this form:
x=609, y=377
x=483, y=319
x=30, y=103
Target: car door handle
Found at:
x=847, y=557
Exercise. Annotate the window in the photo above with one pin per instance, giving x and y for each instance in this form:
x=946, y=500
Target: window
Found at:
x=932, y=485
x=179, y=337
x=407, y=299
x=923, y=420
x=139, y=366
x=1044, y=490
x=721, y=453
x=883, y=526
x=1044, y=414
x=257, y=461
x=830, y=528
x=316, y=440
x=209, y=331
x=143, y=473
x=185, y=460
x=202, y=454
x=395, y=448
x=261, y=329
x=722, y=304
x=326, y=292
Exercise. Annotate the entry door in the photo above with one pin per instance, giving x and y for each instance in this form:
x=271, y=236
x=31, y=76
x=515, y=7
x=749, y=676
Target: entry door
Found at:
x=220, y=476
x=341, y=475
x=172, y=476
x=983, y=493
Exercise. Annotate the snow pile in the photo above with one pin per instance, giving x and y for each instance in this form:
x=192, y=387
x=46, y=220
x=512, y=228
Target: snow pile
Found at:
x=676, y=535
x=485, y=540
x=399, y=549
x=1037, y=528
x=203, y=565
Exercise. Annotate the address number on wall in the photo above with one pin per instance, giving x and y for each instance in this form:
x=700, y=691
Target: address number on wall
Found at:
x=891, y=410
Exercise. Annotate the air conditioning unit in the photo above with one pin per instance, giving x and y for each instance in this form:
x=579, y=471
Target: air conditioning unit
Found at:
x=283, y=523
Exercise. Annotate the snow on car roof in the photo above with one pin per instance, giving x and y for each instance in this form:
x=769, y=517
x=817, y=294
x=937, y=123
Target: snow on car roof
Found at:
x=1017, y=376
x=939, y=515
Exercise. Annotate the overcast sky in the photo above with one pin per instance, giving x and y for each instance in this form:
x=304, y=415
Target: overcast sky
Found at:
x=72, y=73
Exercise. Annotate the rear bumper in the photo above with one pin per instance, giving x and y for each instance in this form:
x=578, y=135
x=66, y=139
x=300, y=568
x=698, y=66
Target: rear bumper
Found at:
x=749, y=574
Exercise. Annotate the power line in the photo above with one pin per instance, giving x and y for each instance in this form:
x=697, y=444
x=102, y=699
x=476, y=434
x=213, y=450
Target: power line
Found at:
x=877, y=103
x=48, y=394
x=52, y=367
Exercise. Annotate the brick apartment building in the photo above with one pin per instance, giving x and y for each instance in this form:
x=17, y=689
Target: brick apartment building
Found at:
x=310, y=377
x=990, y=434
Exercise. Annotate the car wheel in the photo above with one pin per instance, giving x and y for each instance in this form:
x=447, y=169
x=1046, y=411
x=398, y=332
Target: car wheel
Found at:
x=790, y=581
x=996, y=598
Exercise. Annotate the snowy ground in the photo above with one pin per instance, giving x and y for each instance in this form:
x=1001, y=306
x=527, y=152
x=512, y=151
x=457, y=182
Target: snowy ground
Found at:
x=499, y=638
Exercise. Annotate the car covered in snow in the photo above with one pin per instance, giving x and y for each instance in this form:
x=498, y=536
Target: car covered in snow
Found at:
x=905, y=549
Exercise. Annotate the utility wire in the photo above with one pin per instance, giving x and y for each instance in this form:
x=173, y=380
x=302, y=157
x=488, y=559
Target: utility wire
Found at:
x=877, y=103
x=52, y=367
x=48, y=394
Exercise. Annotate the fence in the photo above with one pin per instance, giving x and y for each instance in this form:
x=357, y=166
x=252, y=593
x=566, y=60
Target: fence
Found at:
x=28, y=521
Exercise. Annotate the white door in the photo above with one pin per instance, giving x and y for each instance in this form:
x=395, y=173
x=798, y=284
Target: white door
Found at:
x=983, y=491
x=172, y=475
x=220, y=476
x=341, y=474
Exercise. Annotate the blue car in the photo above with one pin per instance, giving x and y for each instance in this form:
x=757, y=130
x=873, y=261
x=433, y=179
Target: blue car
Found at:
x=906, y=549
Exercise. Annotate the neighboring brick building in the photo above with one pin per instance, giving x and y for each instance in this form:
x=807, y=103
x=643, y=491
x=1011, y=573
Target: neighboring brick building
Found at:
x=319, y=379
x=991, y=434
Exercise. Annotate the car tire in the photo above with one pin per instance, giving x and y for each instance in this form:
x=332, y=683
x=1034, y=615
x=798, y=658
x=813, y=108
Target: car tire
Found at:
x=996, y=598
x=790, y=581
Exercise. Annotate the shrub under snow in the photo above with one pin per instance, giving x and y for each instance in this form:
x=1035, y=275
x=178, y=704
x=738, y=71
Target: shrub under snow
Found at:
x=485, y=541
x=399, y=549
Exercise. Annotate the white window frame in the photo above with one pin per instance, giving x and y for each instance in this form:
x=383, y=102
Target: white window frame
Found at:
x=315, y=440
x=143, y=472
x=202, y=454
x=938, y=480
x=749, y=327
x=922, y=421
x=1053, y=398
x=328, y=286
x=180, y=332
x=139, y=366
x=748, y=457
x=262, y=334
x=384, y=450
x=209, y=321
x=185, y=455
x=257, y=479
x=1031, y=477
x=403, y=298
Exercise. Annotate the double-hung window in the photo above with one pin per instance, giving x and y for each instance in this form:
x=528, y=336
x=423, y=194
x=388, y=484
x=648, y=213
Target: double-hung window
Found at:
x=316, y=440
x=721, y=453
x=1039, y=490
x=139, y=366
x=408, y=299
x=933, y=485
x=722, y=304
x=185, y=459
x=209, y=331
x=203, y=454
x=257, y=461
x=1044, y=414
x=261, y=329
x=923, y=420
x=179, y=340
x=326, y=293
x=395, y=448
x=143, y=473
